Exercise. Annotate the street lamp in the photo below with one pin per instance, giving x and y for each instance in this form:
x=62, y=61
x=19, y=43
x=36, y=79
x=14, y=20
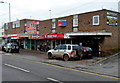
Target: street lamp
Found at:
x=50, y=13
x=9, y=14
x=9, y=9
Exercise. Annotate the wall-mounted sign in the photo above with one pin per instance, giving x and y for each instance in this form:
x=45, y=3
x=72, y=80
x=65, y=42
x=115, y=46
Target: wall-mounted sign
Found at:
x=62, y=23
x=31, y=27
x=54, y=36
x=23, y=35
x=36, y=36
x=112, y=19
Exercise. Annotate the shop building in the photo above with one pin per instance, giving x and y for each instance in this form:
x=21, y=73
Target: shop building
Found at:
x=17, y=31
x=1, y=35
x=97, y=29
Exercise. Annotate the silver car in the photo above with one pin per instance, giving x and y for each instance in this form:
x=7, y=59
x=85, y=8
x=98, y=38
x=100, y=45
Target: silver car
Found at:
x=65, y=51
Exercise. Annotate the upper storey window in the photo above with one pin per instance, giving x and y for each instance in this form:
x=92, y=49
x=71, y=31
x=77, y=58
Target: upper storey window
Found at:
x=96, y=20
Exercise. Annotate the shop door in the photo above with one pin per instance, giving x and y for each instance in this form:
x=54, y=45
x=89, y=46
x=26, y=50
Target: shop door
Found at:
x=28, y=44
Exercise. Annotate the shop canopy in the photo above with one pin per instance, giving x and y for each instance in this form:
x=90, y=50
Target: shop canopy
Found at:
x=88, y=33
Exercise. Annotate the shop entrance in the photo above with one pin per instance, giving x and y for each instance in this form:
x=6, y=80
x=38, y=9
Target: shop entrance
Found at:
x=92, y=42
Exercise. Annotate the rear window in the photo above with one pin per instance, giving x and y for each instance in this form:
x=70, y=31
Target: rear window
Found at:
x=76, y=48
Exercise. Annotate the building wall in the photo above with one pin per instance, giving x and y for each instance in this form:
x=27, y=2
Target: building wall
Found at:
x=45, y=26
x=111, y=43
x=67, y=28
x=85, y=23
x=20, y=29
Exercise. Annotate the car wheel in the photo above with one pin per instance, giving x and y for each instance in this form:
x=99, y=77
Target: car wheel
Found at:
x=50, y=55
x=81, y=56
x=7, y=50
x=17, y=51
x=65, y=57
x=10, y=51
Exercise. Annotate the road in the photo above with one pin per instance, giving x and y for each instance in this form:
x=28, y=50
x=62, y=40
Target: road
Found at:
x=19, y=69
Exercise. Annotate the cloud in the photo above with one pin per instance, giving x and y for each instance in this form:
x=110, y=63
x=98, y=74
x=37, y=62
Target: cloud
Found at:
x=39, y=9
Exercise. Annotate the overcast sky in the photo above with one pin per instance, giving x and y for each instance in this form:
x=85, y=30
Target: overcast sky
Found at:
x=39, y=9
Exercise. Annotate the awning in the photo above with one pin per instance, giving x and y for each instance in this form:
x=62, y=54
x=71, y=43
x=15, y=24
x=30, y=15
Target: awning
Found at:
x=12, y=36
x=88, y=33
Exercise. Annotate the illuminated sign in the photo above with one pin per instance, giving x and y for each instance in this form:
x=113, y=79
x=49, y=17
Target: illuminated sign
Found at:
x=62, y=23
x=36, y=37
x=54, y=36
x=31, y=27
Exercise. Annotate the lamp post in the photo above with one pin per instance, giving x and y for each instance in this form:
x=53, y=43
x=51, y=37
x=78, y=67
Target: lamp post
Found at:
x=9, y=15
x=9, y=9
x=50, y=13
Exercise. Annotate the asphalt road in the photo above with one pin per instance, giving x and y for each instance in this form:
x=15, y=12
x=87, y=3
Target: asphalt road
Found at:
x=18, y=69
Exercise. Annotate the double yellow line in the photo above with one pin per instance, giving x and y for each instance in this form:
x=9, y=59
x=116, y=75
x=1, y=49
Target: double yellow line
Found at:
x=73, y=69
x=92, y=73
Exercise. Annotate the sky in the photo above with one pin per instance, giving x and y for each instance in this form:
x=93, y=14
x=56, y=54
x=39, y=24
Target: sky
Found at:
x=40, y=9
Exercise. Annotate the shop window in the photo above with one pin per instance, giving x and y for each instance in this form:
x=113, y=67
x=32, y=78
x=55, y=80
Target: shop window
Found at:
x=96, y=20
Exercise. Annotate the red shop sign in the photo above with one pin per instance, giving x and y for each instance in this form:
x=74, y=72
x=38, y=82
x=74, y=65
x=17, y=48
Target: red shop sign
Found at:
x=36, y=37
x=54, y=36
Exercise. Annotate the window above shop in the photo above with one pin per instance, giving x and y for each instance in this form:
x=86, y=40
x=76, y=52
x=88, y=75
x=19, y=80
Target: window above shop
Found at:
x=16, y=24
x=96, y=20
x=75, y=21
x=53, y=23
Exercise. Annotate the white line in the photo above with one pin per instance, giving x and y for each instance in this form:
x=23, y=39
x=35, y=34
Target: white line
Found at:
x=17, y=68
x=53, y=80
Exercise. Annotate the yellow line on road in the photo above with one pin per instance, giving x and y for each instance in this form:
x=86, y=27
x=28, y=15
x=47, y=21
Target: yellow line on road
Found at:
x=87, y=72
x=79, y=70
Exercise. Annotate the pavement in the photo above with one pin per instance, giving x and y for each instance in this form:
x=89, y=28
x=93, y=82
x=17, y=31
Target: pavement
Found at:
x=100, y=65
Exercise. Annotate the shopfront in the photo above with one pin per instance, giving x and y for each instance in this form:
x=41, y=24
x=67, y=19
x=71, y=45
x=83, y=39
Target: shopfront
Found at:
x=93, y=39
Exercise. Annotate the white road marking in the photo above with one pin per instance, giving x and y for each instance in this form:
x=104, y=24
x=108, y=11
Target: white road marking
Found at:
x=8, y=54
x=51, y=79
x=17, y=68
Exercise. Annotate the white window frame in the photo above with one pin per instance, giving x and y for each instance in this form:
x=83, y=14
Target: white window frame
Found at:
x=75, y=21
x=7, y=26
x=75, y=29
x=13, y=25
x=53, y=31
x=53, y=23
x=16, y=24
x=97, y=19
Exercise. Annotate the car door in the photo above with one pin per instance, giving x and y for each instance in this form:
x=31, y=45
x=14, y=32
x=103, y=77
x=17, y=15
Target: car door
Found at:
x=62, y=51
x=56, y=50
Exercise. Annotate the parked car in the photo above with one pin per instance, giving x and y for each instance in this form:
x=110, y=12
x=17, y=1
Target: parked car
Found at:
x=11, y=47
x=67, y=51
x=2, y=47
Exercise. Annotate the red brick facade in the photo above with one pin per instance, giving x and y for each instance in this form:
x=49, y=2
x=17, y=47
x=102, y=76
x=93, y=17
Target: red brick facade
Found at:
x=85, y=23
